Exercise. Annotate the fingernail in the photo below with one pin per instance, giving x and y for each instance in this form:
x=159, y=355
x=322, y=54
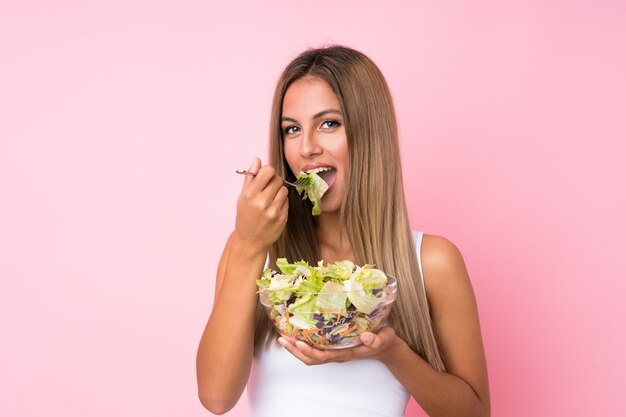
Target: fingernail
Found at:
x=367, y=338
x=282, y=341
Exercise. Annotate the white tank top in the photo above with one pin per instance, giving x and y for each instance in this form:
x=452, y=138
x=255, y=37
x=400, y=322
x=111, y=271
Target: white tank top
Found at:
x=282, y=386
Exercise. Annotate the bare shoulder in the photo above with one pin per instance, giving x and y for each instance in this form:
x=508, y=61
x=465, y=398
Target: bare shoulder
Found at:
x=441, y=258
x=439, y=251
x=445, y=274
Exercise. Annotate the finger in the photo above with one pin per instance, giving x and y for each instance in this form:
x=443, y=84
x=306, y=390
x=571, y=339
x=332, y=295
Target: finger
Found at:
x=254, y=169
x=263, y=177
x=386, y=334
x=294, y=351
x=284, y=209
x=277, y=208
x=378, y=340
x=368, y=339
x=323, y=356
x=372, y=342
x=281, y=198
x=274, y=186
x=268, y=194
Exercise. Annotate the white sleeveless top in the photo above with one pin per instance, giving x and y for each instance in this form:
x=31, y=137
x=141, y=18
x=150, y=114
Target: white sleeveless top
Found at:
x=280, y=385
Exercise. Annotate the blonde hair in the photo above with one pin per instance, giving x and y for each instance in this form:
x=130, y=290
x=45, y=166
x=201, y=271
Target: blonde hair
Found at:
x=373, y=213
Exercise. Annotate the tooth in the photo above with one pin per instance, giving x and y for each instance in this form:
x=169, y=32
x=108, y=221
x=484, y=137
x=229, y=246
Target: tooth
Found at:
x=320, y=169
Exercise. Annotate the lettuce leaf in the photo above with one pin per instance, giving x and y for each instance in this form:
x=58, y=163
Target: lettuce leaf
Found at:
x=302, y=310
x=362, y=301
x=291, y=269
x=313, y=187
x=370, y=278
x=332, y=297
x=280, y=288
x=342, y=269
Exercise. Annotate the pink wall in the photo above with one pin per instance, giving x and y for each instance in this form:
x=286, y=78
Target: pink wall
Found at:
x=121, y=124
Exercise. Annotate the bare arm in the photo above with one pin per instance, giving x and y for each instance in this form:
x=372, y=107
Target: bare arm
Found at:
x=225, y=352
x=462, y=390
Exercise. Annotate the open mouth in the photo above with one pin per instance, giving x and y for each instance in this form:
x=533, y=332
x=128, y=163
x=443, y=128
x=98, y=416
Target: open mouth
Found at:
x=328, y=174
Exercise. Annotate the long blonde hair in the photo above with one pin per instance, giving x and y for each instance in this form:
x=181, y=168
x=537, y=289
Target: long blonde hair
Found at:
x=373, y=212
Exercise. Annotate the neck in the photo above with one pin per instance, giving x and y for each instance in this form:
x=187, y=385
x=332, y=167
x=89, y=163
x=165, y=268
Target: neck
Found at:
x=334, y=244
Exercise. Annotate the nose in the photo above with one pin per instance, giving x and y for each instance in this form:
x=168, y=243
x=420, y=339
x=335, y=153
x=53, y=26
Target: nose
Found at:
x=310, y=145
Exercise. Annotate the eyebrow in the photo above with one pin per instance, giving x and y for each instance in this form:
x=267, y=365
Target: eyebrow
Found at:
x=315, y=116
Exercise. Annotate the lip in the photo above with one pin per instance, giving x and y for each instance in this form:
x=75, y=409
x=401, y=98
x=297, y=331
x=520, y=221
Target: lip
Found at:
x=316, y=165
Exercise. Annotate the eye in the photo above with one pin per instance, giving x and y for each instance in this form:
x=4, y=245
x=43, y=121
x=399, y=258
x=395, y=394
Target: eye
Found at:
x=290, y=130
x=330, y=124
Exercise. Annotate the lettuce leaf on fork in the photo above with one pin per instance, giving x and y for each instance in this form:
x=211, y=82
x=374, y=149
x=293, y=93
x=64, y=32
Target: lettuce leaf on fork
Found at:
x=312, y=186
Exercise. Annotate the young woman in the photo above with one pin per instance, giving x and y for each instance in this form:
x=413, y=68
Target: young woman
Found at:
x=332, y=108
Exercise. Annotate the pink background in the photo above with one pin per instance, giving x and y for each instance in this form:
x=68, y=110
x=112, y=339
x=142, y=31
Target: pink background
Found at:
x=121, y=125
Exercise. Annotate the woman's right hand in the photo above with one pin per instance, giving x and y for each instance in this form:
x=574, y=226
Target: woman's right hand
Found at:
x=262, y=208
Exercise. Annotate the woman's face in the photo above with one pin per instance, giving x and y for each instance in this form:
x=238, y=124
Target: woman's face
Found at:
x=314, y=136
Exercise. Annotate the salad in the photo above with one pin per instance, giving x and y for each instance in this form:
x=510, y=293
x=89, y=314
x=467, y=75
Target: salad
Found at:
x=327, y=306
x=313, y=187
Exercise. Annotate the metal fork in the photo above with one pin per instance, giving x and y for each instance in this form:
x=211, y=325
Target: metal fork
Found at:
x=297, y=184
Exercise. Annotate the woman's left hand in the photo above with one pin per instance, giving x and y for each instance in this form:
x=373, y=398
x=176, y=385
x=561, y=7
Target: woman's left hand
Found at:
x=375, y=346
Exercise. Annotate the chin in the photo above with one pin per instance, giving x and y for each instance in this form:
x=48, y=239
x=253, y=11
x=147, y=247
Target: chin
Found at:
x=330, y=207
